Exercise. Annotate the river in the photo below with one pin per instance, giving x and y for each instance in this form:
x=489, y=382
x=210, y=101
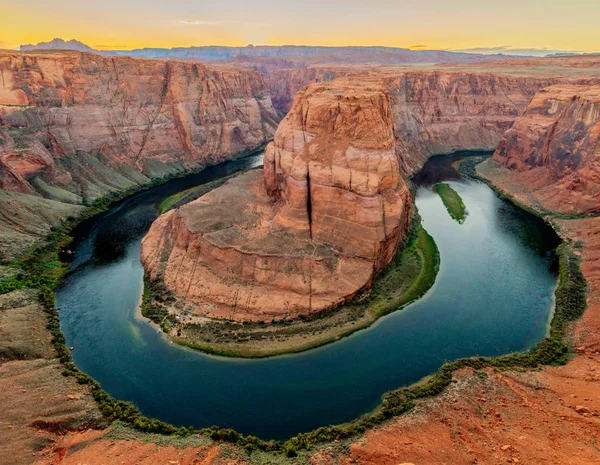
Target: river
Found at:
x=493, y=295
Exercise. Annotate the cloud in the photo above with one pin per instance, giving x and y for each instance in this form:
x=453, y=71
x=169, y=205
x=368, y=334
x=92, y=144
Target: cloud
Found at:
x=417, y=47
x=196, y=22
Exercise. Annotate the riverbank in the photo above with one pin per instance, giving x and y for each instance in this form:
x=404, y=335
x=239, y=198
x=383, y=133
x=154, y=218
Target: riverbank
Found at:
x=54, y=396
x=393, y=404
x=409, y=276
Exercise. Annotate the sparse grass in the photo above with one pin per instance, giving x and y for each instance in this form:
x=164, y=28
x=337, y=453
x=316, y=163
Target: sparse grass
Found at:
x=123, y=431
x=181, y=198
x=453, y=202
x=168, y=202
x=410, y=274
x=423, y=255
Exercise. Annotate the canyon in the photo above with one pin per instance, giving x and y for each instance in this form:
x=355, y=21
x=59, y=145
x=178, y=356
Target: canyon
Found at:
x=340, y=159
x=485, y=417
x=554, y=148
x=75, y=127
x=334, y=203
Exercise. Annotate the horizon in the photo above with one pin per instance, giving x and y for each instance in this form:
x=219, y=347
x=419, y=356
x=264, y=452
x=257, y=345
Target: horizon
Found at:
x=528, y=26
x=500, y=51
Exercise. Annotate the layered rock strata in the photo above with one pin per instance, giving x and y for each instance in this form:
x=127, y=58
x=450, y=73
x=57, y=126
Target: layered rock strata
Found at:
x=436, y=95
x=442, y=112
x=76, y=126
x=554, y=148
x=327, y=214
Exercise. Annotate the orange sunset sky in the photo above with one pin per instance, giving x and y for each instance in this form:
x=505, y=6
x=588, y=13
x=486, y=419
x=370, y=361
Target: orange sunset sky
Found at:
x=433, y=24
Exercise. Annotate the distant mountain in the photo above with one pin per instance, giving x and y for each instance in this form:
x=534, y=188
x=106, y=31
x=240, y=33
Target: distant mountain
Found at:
x=60, y=44
x=300, y=54
x=314, y=54
x=530, y=52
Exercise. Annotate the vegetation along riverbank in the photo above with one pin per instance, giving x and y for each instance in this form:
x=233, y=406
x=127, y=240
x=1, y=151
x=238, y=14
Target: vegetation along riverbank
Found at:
x=411, y=273
x=42, y=269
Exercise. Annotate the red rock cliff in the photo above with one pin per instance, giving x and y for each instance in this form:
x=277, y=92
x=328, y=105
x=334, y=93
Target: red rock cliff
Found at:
x=76, y=126
x=438, y=112
x=328, y=214
x=334, y=167
x=130, y=116
x=555, y=148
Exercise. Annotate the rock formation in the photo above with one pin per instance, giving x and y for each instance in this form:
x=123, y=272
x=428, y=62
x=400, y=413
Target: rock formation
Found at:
x=446, y=111
x=76, y=126
x=326, y=216
x=555, y=148
x=436, y=111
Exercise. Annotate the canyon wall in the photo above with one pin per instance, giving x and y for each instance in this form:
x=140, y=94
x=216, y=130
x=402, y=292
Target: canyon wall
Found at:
x=435, y=110
x=554, y=148
x=284, y=84
x=76, y=126
x=438, y=112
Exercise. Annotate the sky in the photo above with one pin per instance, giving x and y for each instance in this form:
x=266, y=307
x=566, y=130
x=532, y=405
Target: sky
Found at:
x=484, y=25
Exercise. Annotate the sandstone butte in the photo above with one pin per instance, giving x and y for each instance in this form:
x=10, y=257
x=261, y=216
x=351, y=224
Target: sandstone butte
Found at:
x=546, y=416
x=77, y=126
x=329, y=211
x=333, y=204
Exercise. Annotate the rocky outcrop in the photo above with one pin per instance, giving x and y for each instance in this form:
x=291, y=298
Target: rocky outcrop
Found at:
x=444, y=111
x=333, y=166
x=76, y=126
x=554, y=148
x=328, y=214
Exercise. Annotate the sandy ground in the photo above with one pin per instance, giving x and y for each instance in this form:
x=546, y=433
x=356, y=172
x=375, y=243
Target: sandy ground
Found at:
x=38, y=403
